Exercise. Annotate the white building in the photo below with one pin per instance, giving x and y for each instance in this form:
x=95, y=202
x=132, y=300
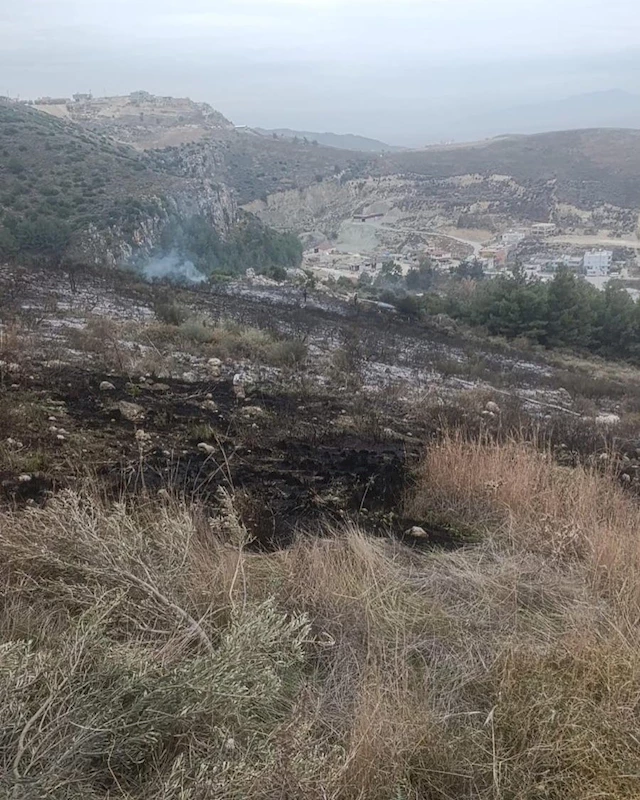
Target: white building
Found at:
x=513, y=238
x=598, y=262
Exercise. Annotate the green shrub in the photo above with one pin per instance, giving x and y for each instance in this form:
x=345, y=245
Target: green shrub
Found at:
x=170, y=312
x=197, y=330
x=288, y=353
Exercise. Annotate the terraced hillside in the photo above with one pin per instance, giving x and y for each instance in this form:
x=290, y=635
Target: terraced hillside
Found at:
x=574, y=178
x=586, y=167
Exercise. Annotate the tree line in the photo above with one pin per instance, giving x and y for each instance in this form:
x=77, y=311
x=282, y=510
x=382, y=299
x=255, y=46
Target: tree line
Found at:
x=566, y=311
x=251, y=244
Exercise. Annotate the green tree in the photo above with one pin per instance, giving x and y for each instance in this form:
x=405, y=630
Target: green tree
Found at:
x=390, y=274
x=409, y=305
x=569, y=311
x=470, y=269
x=614, y=321
x=509, y=308
x=420, y=279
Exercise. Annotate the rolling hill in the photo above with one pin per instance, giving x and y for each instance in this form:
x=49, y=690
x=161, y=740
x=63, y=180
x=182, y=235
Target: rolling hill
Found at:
x=342, y=141
x=100, y=187
x=613, y=108
x=585, y=166
x=76, y=195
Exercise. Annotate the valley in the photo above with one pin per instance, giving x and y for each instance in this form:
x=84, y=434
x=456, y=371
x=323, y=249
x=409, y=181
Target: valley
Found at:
x=319, y=468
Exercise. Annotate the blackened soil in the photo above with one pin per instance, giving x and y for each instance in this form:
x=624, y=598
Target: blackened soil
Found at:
x=292, y=462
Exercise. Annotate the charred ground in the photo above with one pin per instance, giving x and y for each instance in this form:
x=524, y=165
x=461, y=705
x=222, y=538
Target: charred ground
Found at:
x=339, y=403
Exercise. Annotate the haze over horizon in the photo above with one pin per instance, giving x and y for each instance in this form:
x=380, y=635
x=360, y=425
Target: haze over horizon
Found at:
x=408, y=73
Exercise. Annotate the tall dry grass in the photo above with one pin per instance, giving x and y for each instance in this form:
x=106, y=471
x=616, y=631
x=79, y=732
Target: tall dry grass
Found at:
x=518, y=495
x=147, y=653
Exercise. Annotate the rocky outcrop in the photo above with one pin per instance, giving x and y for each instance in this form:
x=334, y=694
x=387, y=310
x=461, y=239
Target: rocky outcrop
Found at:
x=127, y=240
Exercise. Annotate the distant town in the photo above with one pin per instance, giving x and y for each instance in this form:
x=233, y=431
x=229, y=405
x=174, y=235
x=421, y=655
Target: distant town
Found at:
x=538, y=251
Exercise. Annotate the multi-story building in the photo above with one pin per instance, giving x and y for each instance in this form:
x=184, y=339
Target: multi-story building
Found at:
x=598, y=262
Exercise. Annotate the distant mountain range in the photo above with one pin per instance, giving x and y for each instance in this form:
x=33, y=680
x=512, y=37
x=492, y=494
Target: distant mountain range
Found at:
x=342, y=141
x=608, y=109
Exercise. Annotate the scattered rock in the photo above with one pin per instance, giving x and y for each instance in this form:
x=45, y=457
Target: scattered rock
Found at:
x=624, y=477
x=494, y=408
x=142, y=437
x=189, y=377
x=159, y=387
x=209, y=405
x=253, y=411
x=564, y=396
x=208, y=449
x=61, y=437
x=488, y=414
x=238, y=386
x=107, y=386
x=14, y=444
x=607, y=419
x=417, y=532
x=132, y=412
x=214, y=365
x=24, y=478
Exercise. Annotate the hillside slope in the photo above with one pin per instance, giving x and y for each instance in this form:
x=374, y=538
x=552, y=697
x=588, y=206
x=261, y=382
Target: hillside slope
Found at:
x=577, y=179
x=343, y=141
x=588, y=166
x=194, y=140
x=255, y=166
x=76, y=196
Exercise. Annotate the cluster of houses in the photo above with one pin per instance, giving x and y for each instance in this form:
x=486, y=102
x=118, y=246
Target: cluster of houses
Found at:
x=512, y=246
x=331, y=260
x=495, y=258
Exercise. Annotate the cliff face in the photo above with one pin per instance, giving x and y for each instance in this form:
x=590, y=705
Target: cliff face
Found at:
x=128, y=240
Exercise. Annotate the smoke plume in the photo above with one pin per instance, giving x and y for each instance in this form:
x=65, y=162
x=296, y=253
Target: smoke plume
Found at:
x=173, y=266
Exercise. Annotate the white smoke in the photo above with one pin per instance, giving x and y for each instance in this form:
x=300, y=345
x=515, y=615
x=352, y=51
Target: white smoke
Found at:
x=173, y=266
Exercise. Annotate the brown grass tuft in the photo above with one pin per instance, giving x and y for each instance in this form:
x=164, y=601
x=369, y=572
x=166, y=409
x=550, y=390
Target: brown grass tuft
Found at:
x=146, y=653
x=519, y=495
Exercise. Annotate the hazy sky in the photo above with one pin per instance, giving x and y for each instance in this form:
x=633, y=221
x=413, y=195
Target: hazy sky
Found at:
x=404, y=70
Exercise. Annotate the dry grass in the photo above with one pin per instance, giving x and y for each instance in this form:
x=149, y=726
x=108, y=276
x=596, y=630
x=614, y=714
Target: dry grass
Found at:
x=155, y=347
x=518, y=494
x=225, y=339
x=146, y=653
